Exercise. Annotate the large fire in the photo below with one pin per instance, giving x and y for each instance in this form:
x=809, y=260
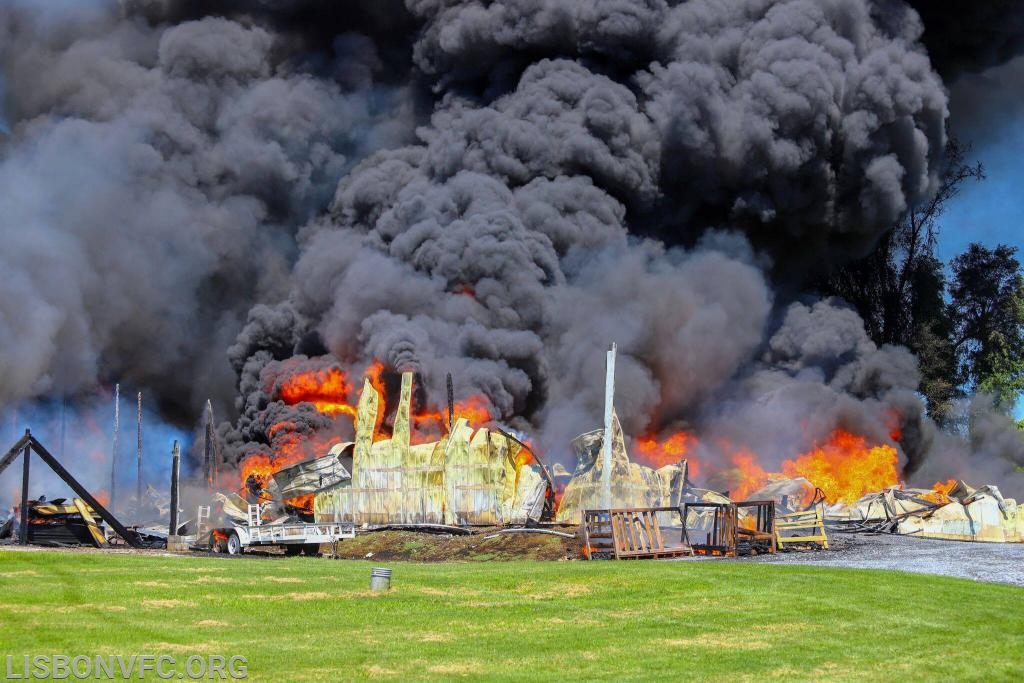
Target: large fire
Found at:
x=846, y=467
x=656, y=453
x=331, y=392
x=749, y=474
x=326, y=389
x=940, y=492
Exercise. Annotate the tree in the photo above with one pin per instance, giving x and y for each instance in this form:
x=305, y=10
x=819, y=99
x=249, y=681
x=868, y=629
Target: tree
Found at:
x=899, y=288
x=987, y=307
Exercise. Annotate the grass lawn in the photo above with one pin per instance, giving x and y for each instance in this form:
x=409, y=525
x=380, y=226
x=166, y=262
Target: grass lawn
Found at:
x=314, y=619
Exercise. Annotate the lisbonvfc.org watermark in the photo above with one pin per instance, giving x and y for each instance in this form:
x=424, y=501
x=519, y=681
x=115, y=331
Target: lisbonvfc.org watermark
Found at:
x=124, y=667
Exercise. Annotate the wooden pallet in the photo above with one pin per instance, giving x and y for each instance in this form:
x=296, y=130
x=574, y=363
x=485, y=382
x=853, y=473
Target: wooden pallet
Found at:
x=627, y=533
x=811, y=521
x=720, y=539
x=724, y=537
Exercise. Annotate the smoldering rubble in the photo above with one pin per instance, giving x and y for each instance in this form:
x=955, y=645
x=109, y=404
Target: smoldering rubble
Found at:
x=492, y=192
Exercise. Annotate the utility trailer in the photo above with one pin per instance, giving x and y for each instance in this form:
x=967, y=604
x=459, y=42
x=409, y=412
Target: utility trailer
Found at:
x=293, y=537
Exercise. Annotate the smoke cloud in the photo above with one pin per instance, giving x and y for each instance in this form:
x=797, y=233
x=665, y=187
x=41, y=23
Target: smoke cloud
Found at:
x=210, y=197
x=151, y=186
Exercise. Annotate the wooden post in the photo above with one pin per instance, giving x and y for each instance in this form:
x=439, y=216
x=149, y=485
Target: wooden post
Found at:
x=609, y=397
x=23, y=531
x=208, y=446
x=451, y=403
x=172, y=526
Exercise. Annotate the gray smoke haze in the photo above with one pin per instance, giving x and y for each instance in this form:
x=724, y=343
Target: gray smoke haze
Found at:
x=150, y=189
x=208, y=197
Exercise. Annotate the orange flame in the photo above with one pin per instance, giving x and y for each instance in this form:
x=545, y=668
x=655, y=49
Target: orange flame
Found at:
x=751, y=476
x=940, y=492
x=327, y=389
x=429, y=425
x=845, y=467
x=303, y=502
x=654, y=452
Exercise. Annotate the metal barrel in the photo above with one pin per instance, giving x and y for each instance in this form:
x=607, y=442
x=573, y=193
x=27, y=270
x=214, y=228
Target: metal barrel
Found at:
x=380, y=579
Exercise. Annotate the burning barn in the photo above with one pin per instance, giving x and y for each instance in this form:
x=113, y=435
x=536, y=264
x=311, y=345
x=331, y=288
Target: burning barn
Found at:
x=491, y=192
x=409, y=466
x=471, y=477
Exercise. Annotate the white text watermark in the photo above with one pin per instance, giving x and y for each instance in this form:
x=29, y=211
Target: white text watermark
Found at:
x=125, y=667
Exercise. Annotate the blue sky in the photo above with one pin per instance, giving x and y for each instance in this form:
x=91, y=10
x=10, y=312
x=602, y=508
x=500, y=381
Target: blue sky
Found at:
x=990, y=211
x=987, y=111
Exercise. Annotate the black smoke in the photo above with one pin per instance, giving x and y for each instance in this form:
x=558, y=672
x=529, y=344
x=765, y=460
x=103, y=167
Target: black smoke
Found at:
x=196, y=192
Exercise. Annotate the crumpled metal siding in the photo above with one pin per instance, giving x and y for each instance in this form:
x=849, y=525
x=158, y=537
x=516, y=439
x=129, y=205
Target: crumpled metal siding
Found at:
x=632, y=485
x=469, y=478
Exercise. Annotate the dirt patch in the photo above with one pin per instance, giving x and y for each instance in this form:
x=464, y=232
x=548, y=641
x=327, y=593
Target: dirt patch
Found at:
x=283, y=579
x=205, y=647
x=375, y=670
x=22, y=572
x=456, y=668
x=166, y=604
x=211, y=623
x=213, y=579
x=546, y=592
x=732, y=641
x=316, y=595
x=475, y=547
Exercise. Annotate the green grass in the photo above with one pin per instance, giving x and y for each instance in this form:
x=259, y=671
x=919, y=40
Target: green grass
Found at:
x=310, y=619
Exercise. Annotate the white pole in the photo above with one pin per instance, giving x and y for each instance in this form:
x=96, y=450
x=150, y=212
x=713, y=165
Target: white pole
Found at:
x=609, y=397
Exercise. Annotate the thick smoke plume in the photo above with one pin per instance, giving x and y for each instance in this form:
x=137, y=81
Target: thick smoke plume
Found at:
x=495, y=190
x=508, y=247
x=151, y=183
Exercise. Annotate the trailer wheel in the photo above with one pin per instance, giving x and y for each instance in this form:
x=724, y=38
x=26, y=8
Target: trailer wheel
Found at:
x=311, y=549
x=234, y=544
x=292, y=549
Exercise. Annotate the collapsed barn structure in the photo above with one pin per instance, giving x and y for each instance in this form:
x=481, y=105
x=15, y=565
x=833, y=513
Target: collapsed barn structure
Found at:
x=55, y=522
x=488, y=477
x=471, y=477
x=954, y=511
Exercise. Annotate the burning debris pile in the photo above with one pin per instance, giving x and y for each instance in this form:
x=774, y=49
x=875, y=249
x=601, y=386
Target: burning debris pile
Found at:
x=61, y=523
x=487, y=192
x=952, y=510
x=480, y=477
x=487, y=477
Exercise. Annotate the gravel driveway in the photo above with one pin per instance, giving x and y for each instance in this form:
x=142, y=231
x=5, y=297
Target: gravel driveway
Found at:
x=995, y=562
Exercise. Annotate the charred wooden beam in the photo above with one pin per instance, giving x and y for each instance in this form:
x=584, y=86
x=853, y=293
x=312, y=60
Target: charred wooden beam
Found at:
x=24, y=493
x=172, y=527
x=13, y=453
x=208, y=446
x=114, y=447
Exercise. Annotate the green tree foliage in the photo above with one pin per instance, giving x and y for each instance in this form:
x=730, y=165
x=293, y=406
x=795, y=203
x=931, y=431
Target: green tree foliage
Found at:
x=987, y=307
x=899, y=288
